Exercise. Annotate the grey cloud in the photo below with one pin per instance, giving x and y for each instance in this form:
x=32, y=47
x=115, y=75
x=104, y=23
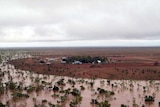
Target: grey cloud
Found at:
x=84, y=20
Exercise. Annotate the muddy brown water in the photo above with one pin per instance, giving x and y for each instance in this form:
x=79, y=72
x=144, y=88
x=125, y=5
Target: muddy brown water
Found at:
x=128, y=92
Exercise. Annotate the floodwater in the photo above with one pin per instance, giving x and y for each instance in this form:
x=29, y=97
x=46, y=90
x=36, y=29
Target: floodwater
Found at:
x=127, y=92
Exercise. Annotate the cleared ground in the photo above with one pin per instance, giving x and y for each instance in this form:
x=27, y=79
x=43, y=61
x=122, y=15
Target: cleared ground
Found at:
x=124, y=63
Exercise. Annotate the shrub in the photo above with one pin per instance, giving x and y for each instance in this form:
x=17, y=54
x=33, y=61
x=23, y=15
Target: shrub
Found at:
x=17, y=95
x=44, y=101
x=11, y=85
x=122, y=105
x=55, y=88
x=104, y=104
x=82, y=87
x=94, y=101
x=2, y=105
x=149, y=99
x=75, y=92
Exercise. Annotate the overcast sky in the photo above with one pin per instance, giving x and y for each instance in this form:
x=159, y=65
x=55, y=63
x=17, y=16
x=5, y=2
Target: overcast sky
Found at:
x=79, y=23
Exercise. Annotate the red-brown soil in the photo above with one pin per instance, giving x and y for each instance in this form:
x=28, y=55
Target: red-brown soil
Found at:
x=126, y=63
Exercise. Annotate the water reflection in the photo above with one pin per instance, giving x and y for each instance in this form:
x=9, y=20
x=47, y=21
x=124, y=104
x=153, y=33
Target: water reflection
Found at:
x=127, y=92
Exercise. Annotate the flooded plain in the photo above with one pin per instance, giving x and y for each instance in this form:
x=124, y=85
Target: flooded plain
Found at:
x=128, y=92
x=20, y=88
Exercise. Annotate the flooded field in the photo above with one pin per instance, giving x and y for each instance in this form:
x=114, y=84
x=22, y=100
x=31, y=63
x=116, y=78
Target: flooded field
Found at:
x=128, y=92
x=22, y=88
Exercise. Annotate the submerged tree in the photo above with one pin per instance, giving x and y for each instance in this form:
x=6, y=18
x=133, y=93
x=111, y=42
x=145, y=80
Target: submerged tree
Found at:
x=104, y=104
x=2, y=105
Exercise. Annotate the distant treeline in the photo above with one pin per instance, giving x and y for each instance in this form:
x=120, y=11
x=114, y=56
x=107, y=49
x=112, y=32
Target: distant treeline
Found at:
x=86, y=59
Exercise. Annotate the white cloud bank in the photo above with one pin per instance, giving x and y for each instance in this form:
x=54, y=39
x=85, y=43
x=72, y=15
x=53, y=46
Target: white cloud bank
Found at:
x=77, y=22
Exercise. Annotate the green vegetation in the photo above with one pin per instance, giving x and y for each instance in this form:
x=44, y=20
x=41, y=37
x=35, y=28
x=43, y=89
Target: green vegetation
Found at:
x=82, y=87
x=18, y=95
x=44, y=101
x=76, y=101
x=100, y=104
x=63, y=98
x=103, y=91
x=75, y=92
x=1, y=89
x=55, y=88
x=104, y=104
x=55, y=95
x=39, y=88
x=71, y=82
x=94, y=101
x=30, y=88
x=77, y=97
x=91, y=83
x=86, y=59
x=61, y=82
x=11, y=85
x=2, y=105
x=149, y=99
x=122, y=105
x=15, y=84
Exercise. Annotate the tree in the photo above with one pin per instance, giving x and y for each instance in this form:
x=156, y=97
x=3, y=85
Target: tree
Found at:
x=104, y=104
x=2, y=105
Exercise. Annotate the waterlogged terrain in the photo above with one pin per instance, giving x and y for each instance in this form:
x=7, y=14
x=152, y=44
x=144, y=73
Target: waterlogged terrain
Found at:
x=25, y=88
x=117, y=92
